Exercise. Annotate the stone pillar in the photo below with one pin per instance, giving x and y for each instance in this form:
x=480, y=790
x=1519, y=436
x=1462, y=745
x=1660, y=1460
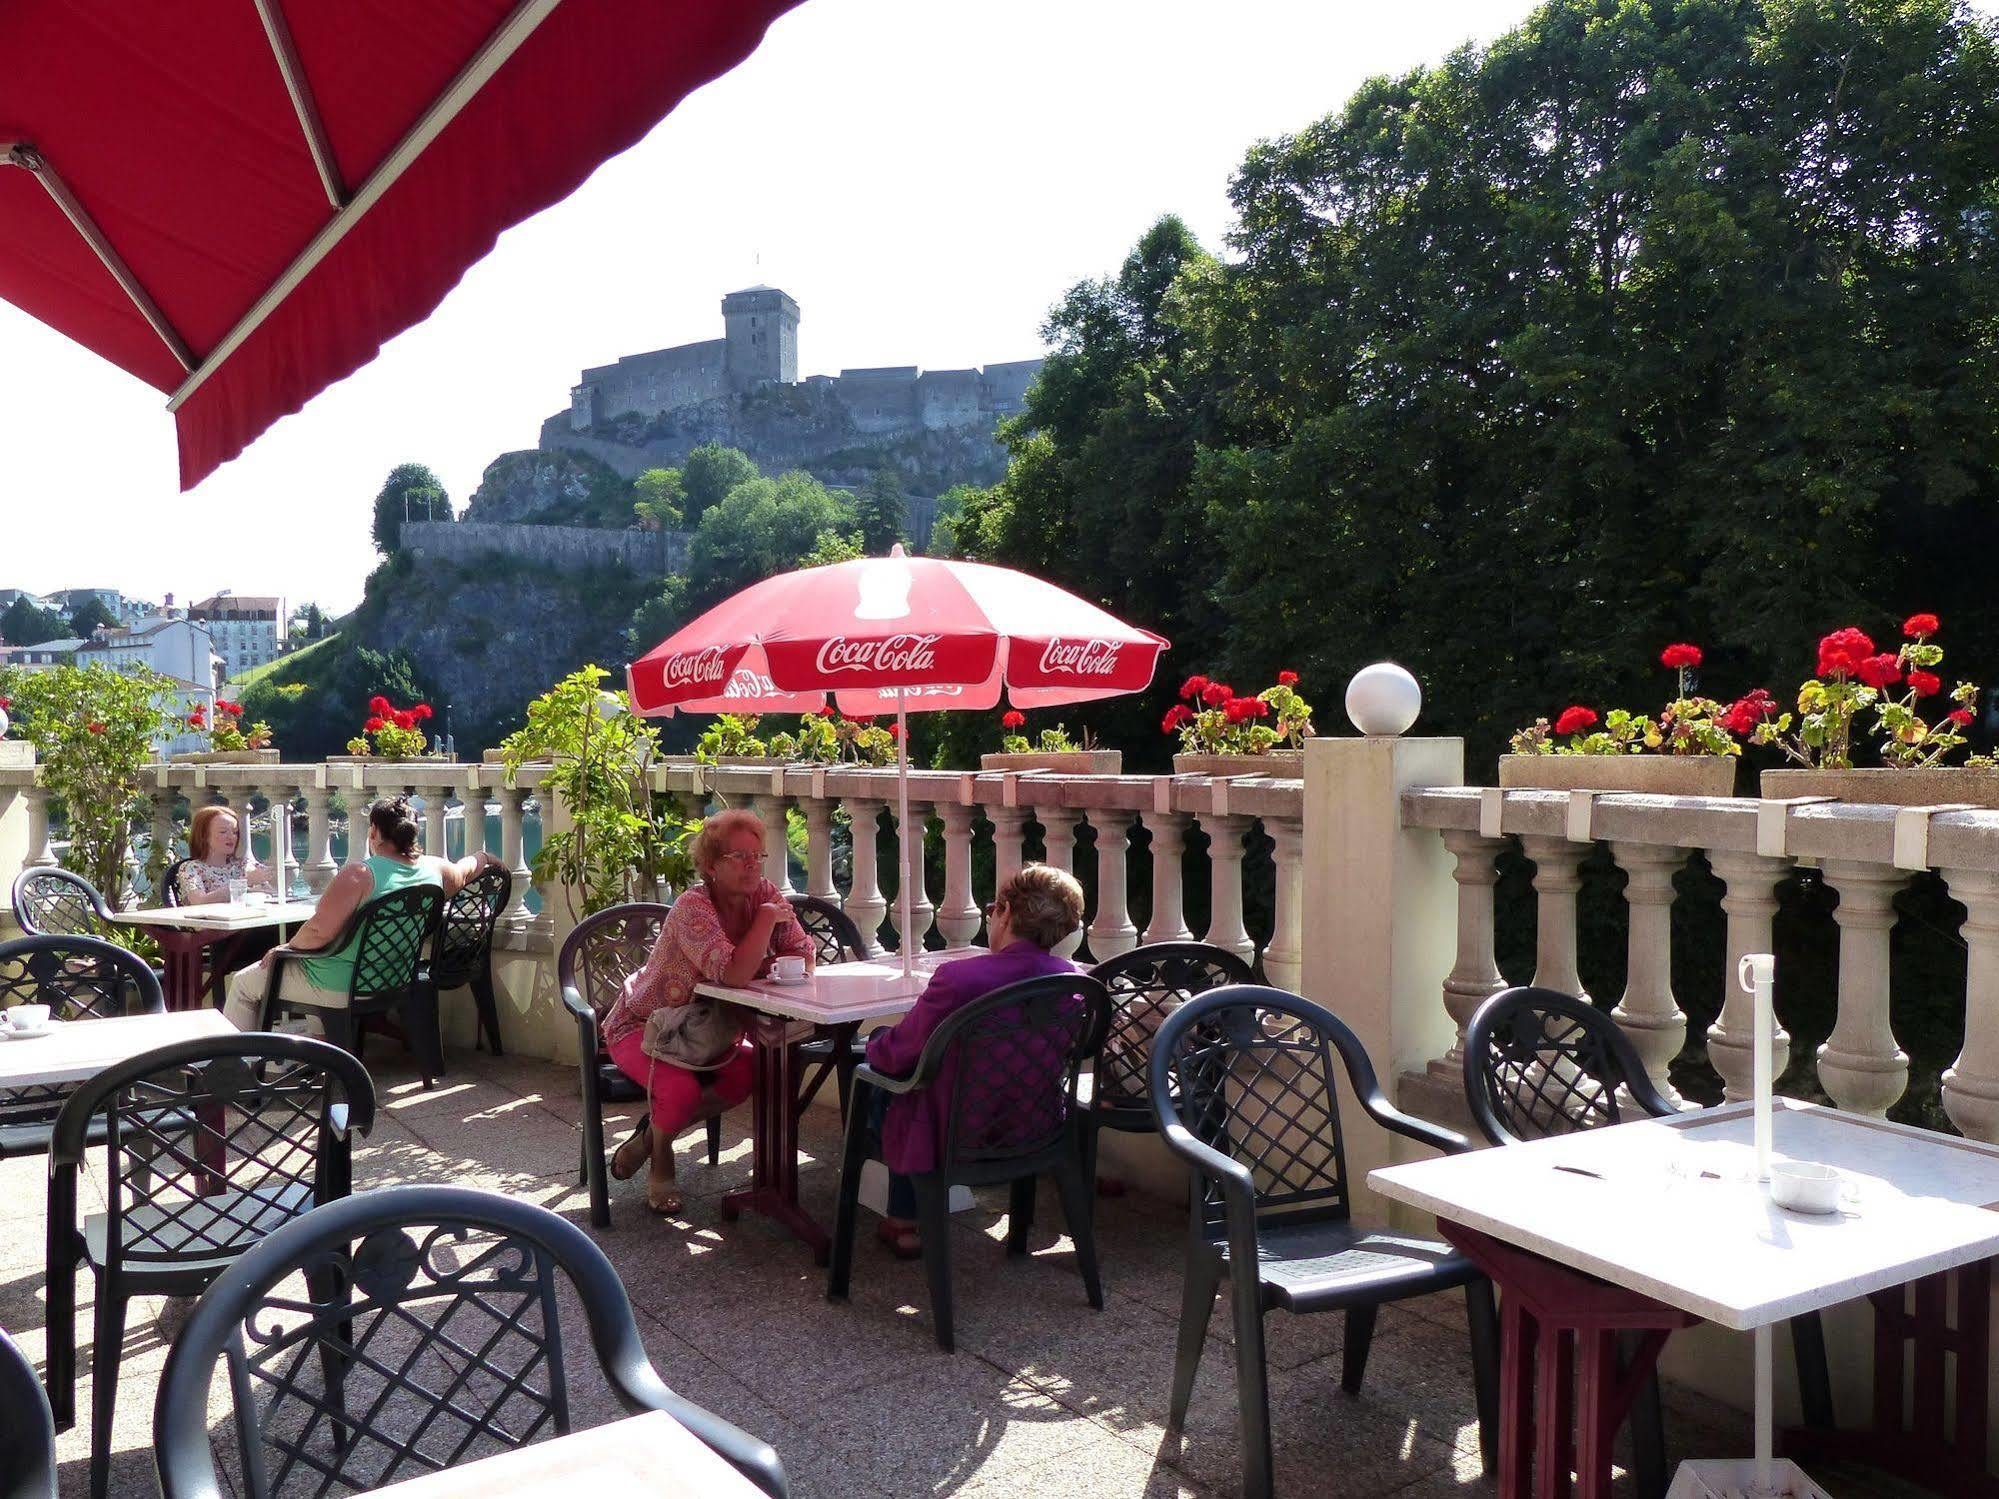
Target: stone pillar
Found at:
x=1648, y=1012
x=474, y=803
x=1557, y=878
x=1058, y=826
x=513, y=851
x=1284, y=958
x=1112, y=932
x=39, y=852
x=163, y=834
x=319, y=865
x=1749, y=902
x=1169, y=906
x=435, y=802
x=1009, y=830
x=910, y=852
x=777, y=851
x=958, y=914
x=819, y=850
x=1860, y=1066
x=1474, y=977
x=1225, y=929
x=1971, y=1083
x=865, y=905
x=239, y=803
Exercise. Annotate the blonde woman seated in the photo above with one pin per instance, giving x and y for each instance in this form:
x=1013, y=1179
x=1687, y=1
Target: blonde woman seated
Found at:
x=392, y=863
x=727, y=930
x=215, y=857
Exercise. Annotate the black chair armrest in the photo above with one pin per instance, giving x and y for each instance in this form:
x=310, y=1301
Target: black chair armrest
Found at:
x=863, y=1073
x=1233, y=1177
x=1450, y=1142
x=575, y=1004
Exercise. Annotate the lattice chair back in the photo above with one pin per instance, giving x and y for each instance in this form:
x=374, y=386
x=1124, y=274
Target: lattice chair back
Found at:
x=211, y=1144
x=1146, y=985
x=78, y=978
x=51, y=902
x=1005, y=1065
x=605, y=949
x=1250, y=1072
x=835, y=938
x=429, y=1334
x=465, y=940
x=390, y=938
x=1540, y=1063
x=169, y=887
x=28, y=1430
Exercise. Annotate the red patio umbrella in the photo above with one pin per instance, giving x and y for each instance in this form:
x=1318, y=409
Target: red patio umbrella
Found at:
x=240, y=203
x=920, y=633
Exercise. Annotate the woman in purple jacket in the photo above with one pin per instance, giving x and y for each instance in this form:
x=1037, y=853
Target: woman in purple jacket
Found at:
x=1030, y=913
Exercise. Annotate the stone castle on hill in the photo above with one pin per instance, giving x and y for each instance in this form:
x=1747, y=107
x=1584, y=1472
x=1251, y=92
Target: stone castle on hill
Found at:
x=636, y=401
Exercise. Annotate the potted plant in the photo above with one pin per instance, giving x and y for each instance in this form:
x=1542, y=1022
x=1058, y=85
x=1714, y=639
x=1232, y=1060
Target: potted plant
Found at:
x=732, y=740
x=229, y=743
x=1691, y=749
x=817, y=741
x=1916, y=722
x=389, y=733
x=1220, y=731
x=865, y=742
x=14, y=753
x=1051, y=749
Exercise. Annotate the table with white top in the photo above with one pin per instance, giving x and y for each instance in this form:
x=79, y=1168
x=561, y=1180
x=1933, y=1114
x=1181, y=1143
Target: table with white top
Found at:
x=185, y=933
x=74, y=1051
x=642, y=1457
x=1670, y=1209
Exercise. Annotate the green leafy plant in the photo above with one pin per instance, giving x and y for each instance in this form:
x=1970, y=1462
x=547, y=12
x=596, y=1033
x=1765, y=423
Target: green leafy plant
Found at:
x=1212, y=720
x=94, y=731
x=621, y=840
x=1853, y=677
x=817, y=742
x=1688, y=725
x=225, y=731
x=865, y=742
x=1050, y=741
x=730, y=734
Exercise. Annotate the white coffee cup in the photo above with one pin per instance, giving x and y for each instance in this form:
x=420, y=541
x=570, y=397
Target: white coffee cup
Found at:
x=1805, y=1186
x=789, y=967
x=28, y=1017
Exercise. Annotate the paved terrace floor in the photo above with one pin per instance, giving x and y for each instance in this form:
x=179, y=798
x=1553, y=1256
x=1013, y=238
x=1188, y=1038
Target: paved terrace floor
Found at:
x=1042, y=1397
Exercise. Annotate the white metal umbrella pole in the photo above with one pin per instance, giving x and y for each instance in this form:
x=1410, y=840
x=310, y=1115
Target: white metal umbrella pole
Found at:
x=902, y=897
x=1757, y=973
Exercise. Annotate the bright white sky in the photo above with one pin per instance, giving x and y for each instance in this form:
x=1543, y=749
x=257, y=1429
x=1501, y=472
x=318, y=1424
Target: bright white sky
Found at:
x=926, y=179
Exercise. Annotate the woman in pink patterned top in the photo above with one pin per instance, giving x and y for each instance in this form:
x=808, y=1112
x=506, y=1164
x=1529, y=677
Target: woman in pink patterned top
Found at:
x=725, y=930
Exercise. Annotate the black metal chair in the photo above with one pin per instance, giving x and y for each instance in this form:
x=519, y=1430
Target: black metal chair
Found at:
x=391, y=935
x=169, y=890
x=27, y=1432
x=464, y=955
x=598, y=955
x=78, y=978
x=1005, y=1066
x=1244, y=1085
x=1541, y=1063
x=835, y=939
x=210, y=1144
x=51, y=902
x=430, y=1335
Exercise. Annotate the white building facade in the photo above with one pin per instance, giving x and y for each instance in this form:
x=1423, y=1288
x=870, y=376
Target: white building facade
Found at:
x=248, y=629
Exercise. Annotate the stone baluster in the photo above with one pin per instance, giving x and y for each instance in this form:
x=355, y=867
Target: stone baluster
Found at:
x=1169, y=906
x=1749, y=904
x=163, y=831
x=239, y=803
x=1649, y=1014
x=921, y=911
x=1971, y=1083
x=777, y=849
x=819, y=850
x=1058, y=826
x=1112, y=931
x=513, y=852
x=358, y=798
x=39, y=852
x=1009, y=832
x=1474, y=977
x=319, y=865
x=436, y=800
x=865, y=905
x=1860, y=1066
x=1225, y=929
x=473, y=800
x=958, y=915
x=1284, y=958
x=1557, y=878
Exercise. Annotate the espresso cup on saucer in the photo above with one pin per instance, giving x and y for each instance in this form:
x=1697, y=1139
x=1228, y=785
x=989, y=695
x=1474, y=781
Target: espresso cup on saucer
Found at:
x=788, y=969
x=27, y=1017
x=1805, y=1186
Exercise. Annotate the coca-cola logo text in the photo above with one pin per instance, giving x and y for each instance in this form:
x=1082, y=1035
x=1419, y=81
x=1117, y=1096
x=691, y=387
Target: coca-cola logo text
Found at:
x=747, y=683
x=1081, y=658
x=696, y=669
x=892, y=653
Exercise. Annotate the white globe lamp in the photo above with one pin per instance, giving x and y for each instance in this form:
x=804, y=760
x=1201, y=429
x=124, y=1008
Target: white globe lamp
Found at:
x=1383, y=699
x=3, y=723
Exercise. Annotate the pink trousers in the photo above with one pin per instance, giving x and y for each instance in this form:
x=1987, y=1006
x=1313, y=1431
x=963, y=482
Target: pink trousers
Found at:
x=676, y=1092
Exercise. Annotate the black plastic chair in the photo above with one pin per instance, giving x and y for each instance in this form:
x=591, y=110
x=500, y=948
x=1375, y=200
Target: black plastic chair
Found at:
x=210, y=1144
x=835, y=939
x=27, y=1430
x=598, y=955
x=1541, y=1063
x=430, y=1335
x=1006, y=1065
x=169, y=889
x=1244, y=1085
x=464, y=954
x=51, y=902
x=78, y=978
x=391, y=974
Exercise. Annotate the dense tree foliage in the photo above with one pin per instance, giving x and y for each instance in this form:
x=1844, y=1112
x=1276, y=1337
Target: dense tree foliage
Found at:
x=762, y=527
x=1657, y=319
x=89, y=616
x=710, y=472
x=411, y=492
x=882, y=512
x=21, y=623
x=657, y=495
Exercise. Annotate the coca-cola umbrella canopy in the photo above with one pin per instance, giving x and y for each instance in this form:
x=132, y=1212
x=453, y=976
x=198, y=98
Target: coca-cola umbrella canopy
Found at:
x=239, y=203
x=896, y=632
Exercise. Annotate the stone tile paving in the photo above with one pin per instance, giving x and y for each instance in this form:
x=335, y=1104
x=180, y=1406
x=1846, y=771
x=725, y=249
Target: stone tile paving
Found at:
x=1042, y=1396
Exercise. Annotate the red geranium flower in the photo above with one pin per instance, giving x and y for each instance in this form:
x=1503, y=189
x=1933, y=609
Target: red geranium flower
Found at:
x=1925, y=683
x=1841, y=652
x=1217, y=693
x=1747, y=711
x=895, y=731
x=826, y=710
x=95, y=727
x=1013, y=719
x=375, y=725
x=379, y=704
x=5, y=704
x=421, y=712
x=1575, y=720
x=1883, y=670
x=1680, y=657
x=1238, y=709
x=1193, y=687
x=1961, y=717
x=1918, y=625
x=863, y=719
x=1287, y=679
x=404, y=719
x=1176, y=715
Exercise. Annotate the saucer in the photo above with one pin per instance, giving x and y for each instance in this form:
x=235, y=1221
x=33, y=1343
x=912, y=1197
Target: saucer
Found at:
x=799, y=982
x=22, y=1033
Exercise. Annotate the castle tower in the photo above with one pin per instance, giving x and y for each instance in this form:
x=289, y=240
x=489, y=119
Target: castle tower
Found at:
x=761, y=331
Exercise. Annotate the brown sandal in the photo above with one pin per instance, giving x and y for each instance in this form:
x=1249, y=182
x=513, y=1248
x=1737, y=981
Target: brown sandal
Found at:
x=624, y=1168
x=668, y=1204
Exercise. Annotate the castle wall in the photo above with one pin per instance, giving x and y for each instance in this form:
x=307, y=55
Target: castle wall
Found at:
x=949, y=398
x=571, y=549
x=658, y=381
x=879, y=400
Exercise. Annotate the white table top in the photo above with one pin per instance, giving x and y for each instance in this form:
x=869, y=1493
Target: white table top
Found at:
x=642, y=1457
x=1718, y=1247
x=222, y=916
x=835, y=994
x=74, y=1050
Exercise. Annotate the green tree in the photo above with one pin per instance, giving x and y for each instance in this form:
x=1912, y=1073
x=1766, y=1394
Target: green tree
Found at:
x=90, y=615
x=318, y=699
x=710, y=473
x=950, y=512
x=834, y=546
x=882, y=511
x=23, y=624
x=657, y=497
x=411, y=492
x=763, y=527
x=658, y=616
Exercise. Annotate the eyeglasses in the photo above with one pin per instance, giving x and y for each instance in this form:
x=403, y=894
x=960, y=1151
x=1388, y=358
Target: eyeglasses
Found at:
x=742, y=858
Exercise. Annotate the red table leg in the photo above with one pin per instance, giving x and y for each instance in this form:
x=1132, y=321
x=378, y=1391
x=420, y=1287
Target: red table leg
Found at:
x=773, y=1189
x=181, y=955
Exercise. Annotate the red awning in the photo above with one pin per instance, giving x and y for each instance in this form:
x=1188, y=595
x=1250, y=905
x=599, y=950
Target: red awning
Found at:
x=241, y=202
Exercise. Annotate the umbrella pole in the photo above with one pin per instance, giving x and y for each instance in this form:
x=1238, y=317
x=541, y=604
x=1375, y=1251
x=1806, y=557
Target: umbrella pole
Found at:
x=902, y=896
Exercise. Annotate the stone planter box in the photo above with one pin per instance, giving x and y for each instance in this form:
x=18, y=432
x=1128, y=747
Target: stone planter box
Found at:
x=390, y=760
x=1285, y=764
x=1066, y=762
x=1651, y=775
x=226, y=757
x=16, y=754
x=1891, y=787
